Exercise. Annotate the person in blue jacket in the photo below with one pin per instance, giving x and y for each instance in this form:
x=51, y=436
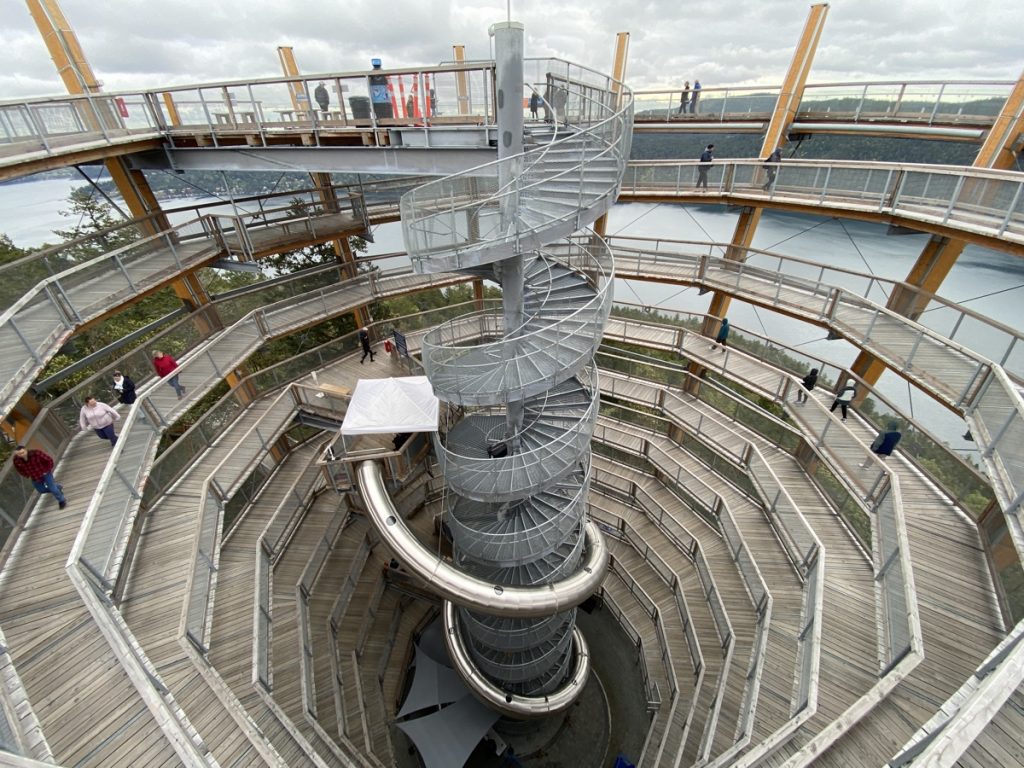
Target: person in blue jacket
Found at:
x=722, y=338
x=884, y=444
x=695, y=97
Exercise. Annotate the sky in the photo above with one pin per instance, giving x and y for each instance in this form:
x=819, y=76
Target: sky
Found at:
x=138, y=44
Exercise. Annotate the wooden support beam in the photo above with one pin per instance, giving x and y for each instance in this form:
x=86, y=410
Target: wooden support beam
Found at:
x=478, y=295
x=940, y=254
x=461, y=81
x=618, y=76
x=15, y=424
x=786, y=106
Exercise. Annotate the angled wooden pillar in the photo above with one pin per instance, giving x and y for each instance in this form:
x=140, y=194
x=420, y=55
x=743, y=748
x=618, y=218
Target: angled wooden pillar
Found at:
x=79, y=79
x=618, y=76
x=461, y=81
x=16, y=423
x=786, y=106
x=940, y=254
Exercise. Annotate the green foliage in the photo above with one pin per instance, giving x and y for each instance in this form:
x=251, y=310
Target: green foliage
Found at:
x=9, y=251
x=92, y=216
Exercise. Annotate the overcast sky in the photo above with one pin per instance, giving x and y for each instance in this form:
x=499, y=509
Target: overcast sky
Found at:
x=136, y=44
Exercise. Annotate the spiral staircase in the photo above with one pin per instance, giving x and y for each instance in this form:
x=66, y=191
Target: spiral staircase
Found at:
x=524, y=399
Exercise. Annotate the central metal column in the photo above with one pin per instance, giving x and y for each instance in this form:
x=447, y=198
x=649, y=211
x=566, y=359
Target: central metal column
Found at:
x=508, y=72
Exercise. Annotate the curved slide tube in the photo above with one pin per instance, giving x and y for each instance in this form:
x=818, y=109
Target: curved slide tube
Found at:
x=513, y=705
x=470, y=592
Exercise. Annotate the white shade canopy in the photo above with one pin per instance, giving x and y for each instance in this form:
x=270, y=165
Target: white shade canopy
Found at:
x=386, y=406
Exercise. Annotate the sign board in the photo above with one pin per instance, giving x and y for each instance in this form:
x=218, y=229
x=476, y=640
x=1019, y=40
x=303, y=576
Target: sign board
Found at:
x=400, y=343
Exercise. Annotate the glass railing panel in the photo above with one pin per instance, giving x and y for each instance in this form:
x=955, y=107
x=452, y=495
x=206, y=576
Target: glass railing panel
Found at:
x=18, y=131
x=113, y=508
x=201, y=580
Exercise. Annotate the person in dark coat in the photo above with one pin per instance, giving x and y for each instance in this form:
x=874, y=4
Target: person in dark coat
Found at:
x=706, y=157
x=37, y=466
x=884, y=444
x=124, y=388
x=534, y=105
x=772, y=167
x=364, y=339
x=810, y=380
x=323, y=98
x=684, y=98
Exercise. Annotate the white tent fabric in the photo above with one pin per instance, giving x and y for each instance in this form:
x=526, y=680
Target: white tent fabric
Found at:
x=432, y=684
x=447, y=738
x=384, y=406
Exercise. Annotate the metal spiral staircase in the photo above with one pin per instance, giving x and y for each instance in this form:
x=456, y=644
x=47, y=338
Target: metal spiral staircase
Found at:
x=516, y=458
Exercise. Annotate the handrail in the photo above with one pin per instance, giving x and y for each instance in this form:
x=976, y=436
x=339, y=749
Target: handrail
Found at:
x=429, y=213
x=675, y=339
x=972, y=202
x=901, y=639
x=963, y=717
x=968, y=383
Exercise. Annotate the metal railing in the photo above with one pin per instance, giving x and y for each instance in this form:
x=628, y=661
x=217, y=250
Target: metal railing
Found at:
x=953, y=374
x=266, y=107
x=686, y=482
x=946, y=198
x=456, y=222
x=900, y=632
x=967, y=329
x=923, y=102
x=963, y=717
x=48, y=309
x=434, y=97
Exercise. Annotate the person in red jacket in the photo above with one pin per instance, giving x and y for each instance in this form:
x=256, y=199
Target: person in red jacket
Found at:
x=165, y=365
x=37, y=466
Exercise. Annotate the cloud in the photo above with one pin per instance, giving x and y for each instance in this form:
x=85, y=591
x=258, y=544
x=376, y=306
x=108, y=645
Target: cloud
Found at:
x=135, y=44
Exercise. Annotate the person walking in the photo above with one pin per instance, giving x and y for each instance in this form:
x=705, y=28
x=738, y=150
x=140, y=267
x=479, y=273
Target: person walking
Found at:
x=364, y=339
x=884, y=443
x=809, y=382
x=684, y=98
x=771, y=167
x=124, y=388
x=37, y=466
x=695, y=97
x=844, y=398
x=165, y=365
x=99, y=417
x=706, y=158
x=534, y=105
x=723, y=335
x=323, y=98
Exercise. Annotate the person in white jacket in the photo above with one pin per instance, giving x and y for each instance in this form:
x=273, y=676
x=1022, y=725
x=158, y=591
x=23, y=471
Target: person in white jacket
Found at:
x=845, y=397
x=99, y=417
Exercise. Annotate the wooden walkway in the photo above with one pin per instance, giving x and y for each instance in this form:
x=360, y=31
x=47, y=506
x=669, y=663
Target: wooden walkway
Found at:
x=89, y=711
x=92, y=290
